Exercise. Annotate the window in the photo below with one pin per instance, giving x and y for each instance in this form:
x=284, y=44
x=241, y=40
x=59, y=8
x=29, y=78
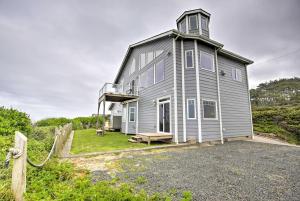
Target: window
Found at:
x=159, y=71
x=204, y=23
x=131, y=114
x=209, y=109
x=193, y=22
x=132, y=68
x=142, y=60
x=207, y=61
x=147, y=78
x=191, y=109
x=182, y=26
x=158, y=52
x=236, y=74
x=149, y=57
x=124, y=114
x=189, y=59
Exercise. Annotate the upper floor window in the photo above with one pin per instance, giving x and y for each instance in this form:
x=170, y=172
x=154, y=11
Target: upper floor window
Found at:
x=132, y=67
x=193, y=22
x=147, y=78
x=204, y=23
x=209, y=109
x=142, y=60
x=189, y=59
x=159, y=71
x=236, y=74
x=150, y=57
x=182, y=26
x=207, y=61
x=191, y=109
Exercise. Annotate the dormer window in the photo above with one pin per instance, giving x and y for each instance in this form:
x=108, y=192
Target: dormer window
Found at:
x=182, y=26
x=204, y=23
x=193, y=22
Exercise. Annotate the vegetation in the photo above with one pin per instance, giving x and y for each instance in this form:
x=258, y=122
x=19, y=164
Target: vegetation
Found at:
x=284, y=122
x=87, y=141
x=12, y=120
x=78, y=122
x=276, y=93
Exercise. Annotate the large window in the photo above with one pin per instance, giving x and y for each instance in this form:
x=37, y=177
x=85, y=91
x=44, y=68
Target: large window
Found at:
x=207, y=61
x=204, y=23
x=209, y=109
x=132, y=114
x=150, y=57
x=193, y=22
x=147, y=78
x=142, y=60
x=159, y=71
x=191, y=109
x=189, y=59
x=132, y=67
x=158, y=52
x=236, y=74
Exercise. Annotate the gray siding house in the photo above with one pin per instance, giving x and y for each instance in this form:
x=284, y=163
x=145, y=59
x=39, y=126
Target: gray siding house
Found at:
x=184, y=83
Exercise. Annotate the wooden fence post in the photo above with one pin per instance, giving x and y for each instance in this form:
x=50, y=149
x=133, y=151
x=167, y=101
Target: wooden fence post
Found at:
x=18, y=184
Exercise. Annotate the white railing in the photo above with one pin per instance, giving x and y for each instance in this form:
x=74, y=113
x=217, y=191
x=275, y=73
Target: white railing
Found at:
x=118, y=89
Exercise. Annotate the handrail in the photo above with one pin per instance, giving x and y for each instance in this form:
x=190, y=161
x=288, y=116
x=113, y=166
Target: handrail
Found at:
x=118, y=89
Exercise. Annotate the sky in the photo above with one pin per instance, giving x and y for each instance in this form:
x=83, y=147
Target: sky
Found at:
x=55, y=55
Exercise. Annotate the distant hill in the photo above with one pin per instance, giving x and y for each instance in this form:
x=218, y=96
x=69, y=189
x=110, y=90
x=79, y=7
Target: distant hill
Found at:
x=277, y=93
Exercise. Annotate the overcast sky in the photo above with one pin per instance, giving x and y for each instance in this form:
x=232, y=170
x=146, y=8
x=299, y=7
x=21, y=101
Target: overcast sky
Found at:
x=55, y=55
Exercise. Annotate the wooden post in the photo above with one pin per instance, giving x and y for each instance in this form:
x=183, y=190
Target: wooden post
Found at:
x=97, y=123
x=18, y=183
x=103, y=117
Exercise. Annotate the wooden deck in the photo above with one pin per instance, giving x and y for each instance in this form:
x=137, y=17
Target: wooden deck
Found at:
x=148, y=137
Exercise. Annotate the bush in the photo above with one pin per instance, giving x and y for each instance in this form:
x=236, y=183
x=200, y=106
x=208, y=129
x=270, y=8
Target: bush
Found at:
x=53, y=122
x=12, y=120
x=282, y=121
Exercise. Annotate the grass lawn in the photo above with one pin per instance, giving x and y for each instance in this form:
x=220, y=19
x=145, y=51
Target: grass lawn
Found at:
x=85, y=141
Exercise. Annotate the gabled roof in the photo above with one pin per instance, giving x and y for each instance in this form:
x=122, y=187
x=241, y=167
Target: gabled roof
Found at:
x=189, y=12
x=177, y=34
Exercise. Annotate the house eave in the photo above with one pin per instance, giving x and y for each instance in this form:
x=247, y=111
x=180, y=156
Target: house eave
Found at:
x=235, y=56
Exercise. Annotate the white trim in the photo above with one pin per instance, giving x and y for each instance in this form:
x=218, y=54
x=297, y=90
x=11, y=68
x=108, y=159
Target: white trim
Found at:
x=133, y=114
x=126, y=126
x=249, y=100
x=187, y=25
x=157, y=112
x=210, y=100
x=198, y=94
x=185, y=59
x=208, y=54
x=175, y=93
x=137, y=118
x=183, y=93
x=187, y=106
x=219, y=97
x=200, y=25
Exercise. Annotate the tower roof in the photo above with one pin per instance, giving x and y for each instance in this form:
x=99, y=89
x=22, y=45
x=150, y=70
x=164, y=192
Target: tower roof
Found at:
x=189, y=12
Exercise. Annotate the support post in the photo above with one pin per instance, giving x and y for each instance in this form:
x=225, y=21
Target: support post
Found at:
x=18, y=184
x=103, y=117
x=97, y=123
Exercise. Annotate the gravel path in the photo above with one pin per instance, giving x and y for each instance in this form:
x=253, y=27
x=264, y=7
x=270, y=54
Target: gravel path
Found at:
x=234, y=171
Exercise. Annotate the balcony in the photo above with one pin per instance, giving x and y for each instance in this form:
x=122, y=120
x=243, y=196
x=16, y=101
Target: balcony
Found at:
x=117, y=93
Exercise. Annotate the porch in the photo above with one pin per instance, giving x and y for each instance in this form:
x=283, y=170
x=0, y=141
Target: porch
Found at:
x=114, y=93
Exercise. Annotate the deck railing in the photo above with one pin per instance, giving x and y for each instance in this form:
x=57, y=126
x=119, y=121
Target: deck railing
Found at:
x=118, y=89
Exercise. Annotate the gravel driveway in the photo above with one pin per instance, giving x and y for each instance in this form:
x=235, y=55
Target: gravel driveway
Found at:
x=237, y=170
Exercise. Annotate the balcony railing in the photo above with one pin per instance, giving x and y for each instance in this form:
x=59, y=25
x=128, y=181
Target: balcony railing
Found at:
x=110, y=88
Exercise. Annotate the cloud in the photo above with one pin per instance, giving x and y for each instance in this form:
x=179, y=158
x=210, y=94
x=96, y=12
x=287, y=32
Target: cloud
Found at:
x=55, y=55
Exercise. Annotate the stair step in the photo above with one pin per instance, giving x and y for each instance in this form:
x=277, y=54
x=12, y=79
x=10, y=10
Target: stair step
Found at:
x=136, y=138
x=132, y=140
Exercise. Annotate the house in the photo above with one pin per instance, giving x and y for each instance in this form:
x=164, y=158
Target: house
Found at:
x=183, y=83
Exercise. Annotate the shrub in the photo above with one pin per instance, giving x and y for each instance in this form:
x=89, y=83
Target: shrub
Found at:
x=53, y=122
x=12, y=120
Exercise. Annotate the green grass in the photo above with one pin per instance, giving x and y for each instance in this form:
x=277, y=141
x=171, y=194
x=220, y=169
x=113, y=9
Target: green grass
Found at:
x=85, y=141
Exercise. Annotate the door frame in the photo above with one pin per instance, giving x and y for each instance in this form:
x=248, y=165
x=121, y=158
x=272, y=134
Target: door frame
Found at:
x=157, y=112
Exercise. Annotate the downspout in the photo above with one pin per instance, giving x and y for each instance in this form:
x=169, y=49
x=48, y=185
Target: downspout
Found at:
x=250, y=107
x=175, y=91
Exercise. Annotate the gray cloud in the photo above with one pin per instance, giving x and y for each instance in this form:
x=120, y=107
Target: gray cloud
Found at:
x=55, y=55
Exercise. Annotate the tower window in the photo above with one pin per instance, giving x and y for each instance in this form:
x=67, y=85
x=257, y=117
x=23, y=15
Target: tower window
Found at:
x=182, y=26
x=193, y=22
x=204, y=23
